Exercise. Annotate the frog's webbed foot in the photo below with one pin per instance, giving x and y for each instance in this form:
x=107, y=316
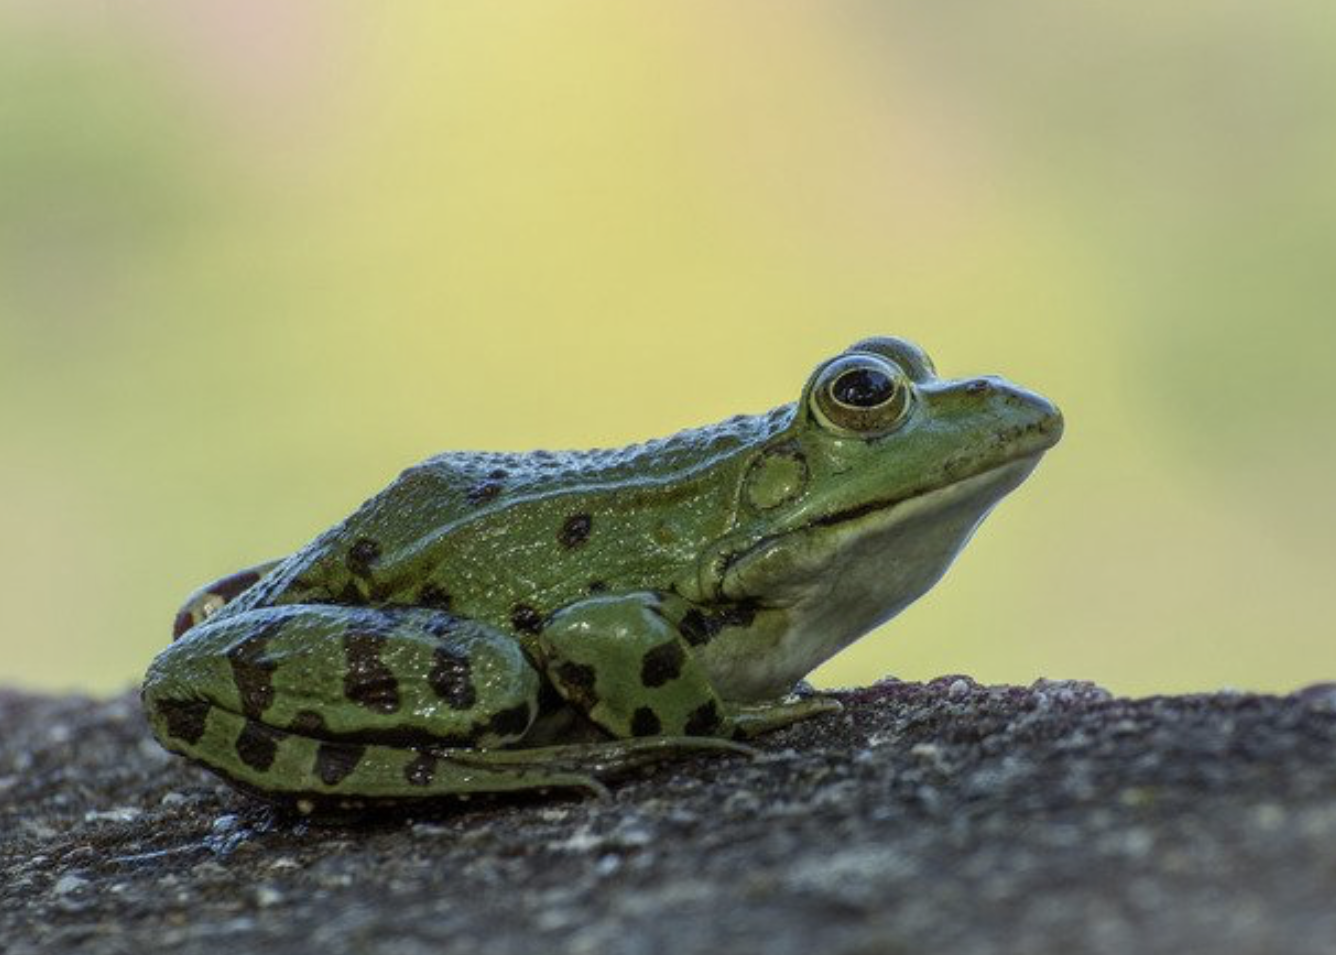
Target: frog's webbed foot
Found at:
x=587, y=765
x=753, y=719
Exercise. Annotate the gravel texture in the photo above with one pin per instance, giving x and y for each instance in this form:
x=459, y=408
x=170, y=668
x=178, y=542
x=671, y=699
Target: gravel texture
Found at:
x=937, y=817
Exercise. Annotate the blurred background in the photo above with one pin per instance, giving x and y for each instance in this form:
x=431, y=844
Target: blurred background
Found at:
x=256, y=257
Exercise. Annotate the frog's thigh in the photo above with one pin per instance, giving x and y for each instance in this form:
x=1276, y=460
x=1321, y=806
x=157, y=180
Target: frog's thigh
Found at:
x=620, y=661
x=333, y=699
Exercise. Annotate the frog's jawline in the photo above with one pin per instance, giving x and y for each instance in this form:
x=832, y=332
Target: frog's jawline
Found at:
x=873, y=507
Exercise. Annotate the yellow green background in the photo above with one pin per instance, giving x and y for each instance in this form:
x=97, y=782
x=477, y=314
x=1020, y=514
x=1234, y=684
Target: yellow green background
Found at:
x=256, y=257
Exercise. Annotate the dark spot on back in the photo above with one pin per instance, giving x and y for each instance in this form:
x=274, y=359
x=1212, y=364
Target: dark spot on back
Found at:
x=662, y=663
x=362, y=555
x=257, y=745
x=368, y=681
x=511, y=722
x=449, y=678
x=598, y=586
x=252, y=673
x=334, y=762
x=482, y=493
x=526, y=619
x=498, y=474
x=703, y=721
x=575, y=530
x=645, y=722
x=421, y=770
x=434, y=596
x=578, y=681
x=185, y=719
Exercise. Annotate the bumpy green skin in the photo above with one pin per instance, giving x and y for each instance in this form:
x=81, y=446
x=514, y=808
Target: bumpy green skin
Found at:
x=493, y=622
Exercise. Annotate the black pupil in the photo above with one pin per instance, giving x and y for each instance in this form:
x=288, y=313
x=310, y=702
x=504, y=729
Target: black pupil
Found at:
x=863, y=388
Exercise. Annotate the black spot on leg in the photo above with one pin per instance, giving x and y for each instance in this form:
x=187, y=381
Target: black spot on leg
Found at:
x=644, y=722
x=575, y=530
x=698, y=627
x=434, y=596
x=362, y=555
x=703, y=721
x=449, y=678
x=350, y=595
x=662, y=663
x=257, y=745
x=185, y=719
x=526, y=619
x=511, y=722
x=334, y=762
x=368, y=681
x=695, y=628
x=549, y=700
x=308, y=723
x=421, y=770
x=578, y=682
x=252, y=673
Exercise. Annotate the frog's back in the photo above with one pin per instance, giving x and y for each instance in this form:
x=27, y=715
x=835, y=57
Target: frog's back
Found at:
x=478, y=506
x=462, y=486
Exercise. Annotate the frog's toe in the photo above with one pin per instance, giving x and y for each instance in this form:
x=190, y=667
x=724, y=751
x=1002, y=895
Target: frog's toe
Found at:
x=606, y=759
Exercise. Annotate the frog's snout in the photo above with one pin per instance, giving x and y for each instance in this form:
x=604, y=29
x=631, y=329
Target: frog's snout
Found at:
x=1035, y=419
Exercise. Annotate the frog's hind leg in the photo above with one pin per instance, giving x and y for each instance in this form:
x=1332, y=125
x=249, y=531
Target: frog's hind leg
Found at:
x=317, y=776
x=309, y=701
x=313, y=775
x=212, y=597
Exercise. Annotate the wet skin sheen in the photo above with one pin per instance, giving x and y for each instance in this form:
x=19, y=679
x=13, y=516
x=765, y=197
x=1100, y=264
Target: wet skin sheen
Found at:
x=495, y=622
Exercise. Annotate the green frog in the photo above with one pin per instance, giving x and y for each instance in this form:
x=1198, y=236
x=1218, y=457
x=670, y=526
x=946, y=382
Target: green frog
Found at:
x=496, y=621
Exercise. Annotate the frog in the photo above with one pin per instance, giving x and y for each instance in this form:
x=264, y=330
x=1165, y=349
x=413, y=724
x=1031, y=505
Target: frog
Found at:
x=501, y=622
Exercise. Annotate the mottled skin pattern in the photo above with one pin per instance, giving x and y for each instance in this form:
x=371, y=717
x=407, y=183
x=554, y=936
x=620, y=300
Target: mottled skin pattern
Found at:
x=492, y=622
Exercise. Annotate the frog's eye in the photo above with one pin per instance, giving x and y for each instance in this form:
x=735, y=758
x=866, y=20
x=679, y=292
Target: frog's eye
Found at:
x=861, y=394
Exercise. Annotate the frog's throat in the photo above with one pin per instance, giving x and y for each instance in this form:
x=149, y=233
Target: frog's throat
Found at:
x=829, y=583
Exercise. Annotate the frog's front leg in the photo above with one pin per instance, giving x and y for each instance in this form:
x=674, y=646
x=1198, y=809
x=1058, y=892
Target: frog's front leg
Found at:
x=623, y=661
x=212, y=597
x=351, y=705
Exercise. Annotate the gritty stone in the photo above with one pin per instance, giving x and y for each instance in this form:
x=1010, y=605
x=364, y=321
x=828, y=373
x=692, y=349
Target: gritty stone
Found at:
x=68, y=884
x=945, y=816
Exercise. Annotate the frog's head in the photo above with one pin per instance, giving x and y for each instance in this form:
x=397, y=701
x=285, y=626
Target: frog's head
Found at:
x=862, y=502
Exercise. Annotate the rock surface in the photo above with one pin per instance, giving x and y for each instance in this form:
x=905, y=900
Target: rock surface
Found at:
x=938, y=817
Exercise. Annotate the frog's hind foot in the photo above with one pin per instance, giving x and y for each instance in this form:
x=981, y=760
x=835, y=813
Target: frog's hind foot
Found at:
x=605, y=759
